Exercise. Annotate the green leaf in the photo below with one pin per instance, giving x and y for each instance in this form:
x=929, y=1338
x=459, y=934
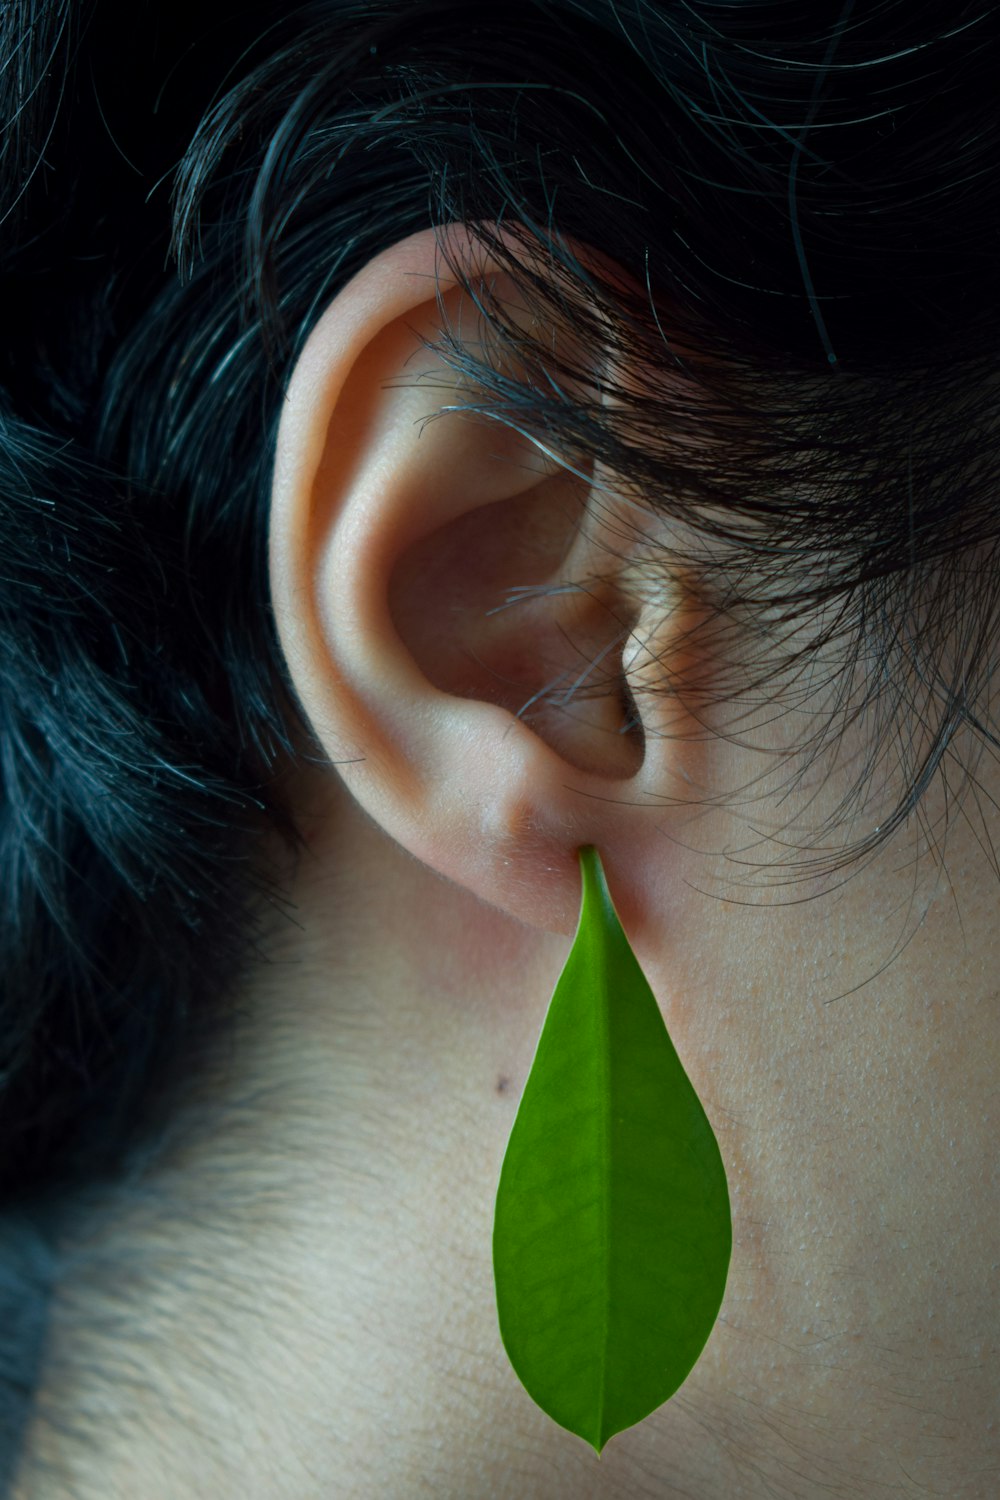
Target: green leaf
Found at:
x=612, y=1231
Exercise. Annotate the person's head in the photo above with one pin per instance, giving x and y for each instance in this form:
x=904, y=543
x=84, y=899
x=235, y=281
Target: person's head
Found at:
x=636, y=480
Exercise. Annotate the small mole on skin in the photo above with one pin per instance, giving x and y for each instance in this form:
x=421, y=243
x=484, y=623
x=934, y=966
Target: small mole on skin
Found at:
x=502, y=1084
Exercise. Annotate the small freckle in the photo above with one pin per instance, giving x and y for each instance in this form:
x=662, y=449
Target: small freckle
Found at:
x=502, y=1084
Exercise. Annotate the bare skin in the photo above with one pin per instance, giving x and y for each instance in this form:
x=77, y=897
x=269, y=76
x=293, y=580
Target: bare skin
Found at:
x=309, y=1288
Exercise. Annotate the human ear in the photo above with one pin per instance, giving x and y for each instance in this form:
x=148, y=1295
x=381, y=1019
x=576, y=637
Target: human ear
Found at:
x=452, y=607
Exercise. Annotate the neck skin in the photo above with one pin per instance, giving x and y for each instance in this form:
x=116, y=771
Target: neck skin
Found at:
x=307, y=1287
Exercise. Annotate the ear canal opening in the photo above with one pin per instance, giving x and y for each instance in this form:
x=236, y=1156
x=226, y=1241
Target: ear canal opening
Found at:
x=632, y=725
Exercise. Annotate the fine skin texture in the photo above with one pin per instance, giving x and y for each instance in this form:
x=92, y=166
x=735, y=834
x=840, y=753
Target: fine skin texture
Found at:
x=301, y=1305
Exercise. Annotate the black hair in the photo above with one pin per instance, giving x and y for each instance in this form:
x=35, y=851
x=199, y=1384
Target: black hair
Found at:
x=807, y=200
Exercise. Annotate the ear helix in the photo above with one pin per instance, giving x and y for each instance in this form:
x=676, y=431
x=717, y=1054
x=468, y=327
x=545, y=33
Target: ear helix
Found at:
x=612, y=1230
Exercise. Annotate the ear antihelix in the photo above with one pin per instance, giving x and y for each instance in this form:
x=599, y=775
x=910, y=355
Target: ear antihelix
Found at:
x=612, y=1231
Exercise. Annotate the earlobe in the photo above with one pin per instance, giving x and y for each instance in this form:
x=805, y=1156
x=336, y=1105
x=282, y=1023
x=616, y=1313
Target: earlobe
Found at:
x=448, y=607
